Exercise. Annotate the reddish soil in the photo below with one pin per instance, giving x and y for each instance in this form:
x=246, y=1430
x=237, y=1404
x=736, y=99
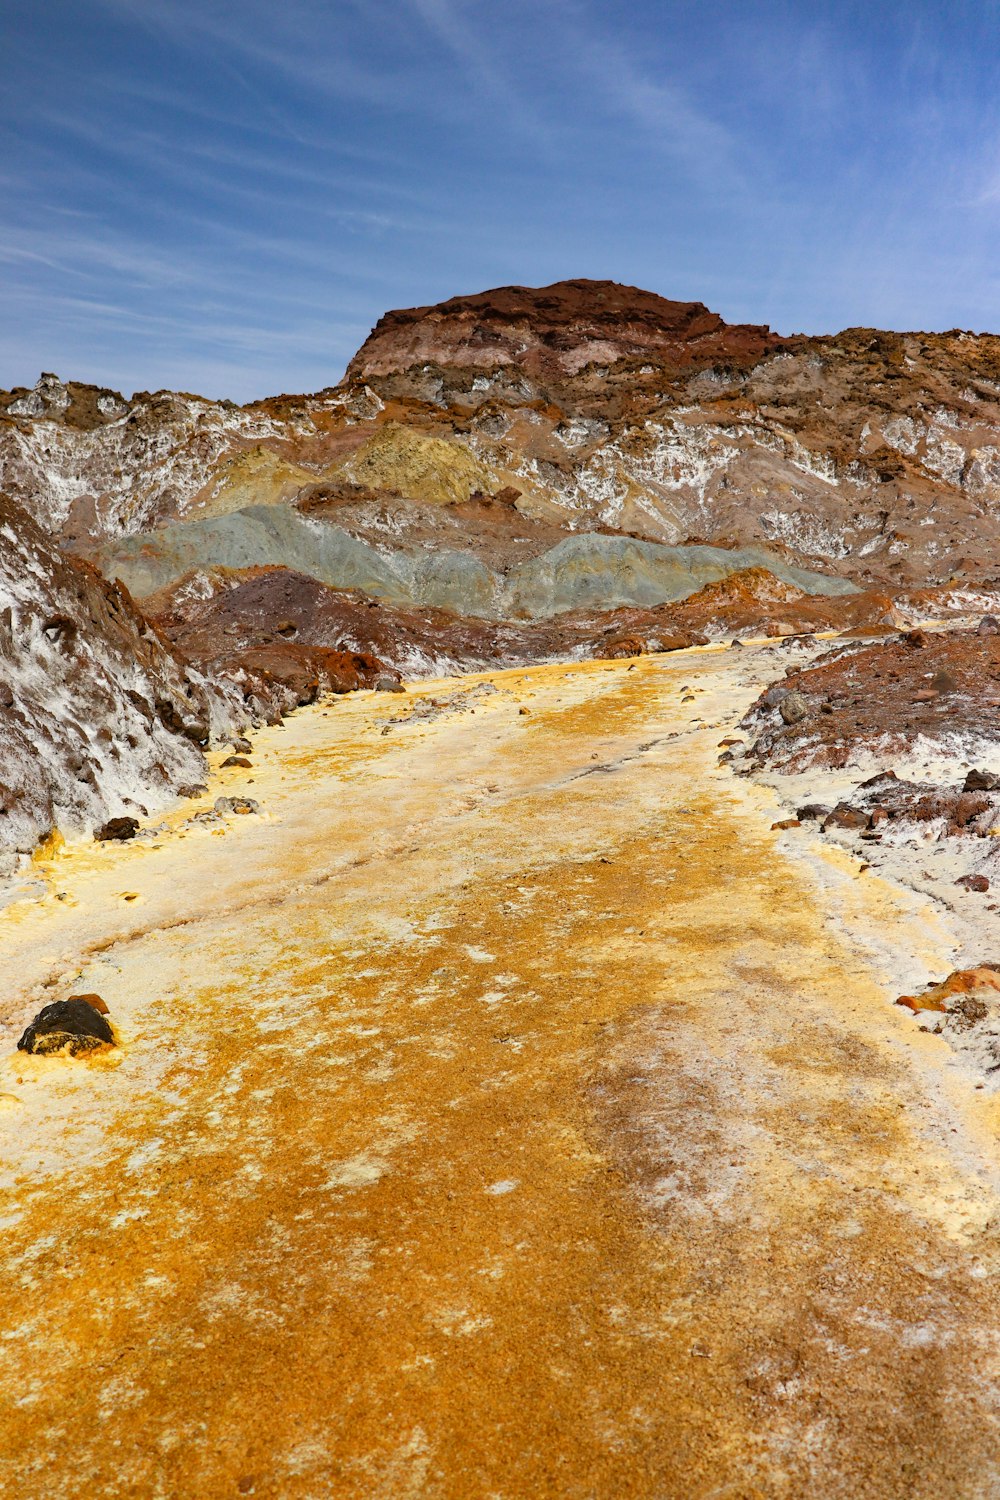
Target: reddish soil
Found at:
x=883, y=696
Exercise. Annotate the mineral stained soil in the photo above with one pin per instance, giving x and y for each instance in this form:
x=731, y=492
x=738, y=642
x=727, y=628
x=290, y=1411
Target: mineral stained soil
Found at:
x=506, y=1112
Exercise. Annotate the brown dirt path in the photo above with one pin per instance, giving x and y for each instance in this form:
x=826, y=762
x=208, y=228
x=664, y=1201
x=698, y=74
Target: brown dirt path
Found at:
x=494, y=1121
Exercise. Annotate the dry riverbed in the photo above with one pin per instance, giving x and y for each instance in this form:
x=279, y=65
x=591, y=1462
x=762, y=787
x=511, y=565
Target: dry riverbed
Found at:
x=506, y=1111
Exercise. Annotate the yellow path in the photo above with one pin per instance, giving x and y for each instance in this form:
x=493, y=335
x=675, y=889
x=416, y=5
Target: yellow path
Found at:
x=494, y=1121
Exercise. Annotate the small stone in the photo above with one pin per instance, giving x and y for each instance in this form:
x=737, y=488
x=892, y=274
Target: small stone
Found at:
x=916, y=639
x=922, y=1002
x=237, y=760
x=981, y=781
x=74, y=1026
x=846, y=816
x=879, y=780
x=785, y=823
x=387, y=684
x=236, y=805
x=117, y=830
x=793, y=708
x=524, y=710
x=973, y=882
x=988, y=625
x=240, y=745
x=811, y=811
x=93, y=1000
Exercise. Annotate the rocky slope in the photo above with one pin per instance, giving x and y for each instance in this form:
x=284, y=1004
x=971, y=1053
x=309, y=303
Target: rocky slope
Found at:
x=99, y=716
x=497, y=426
x=526, y=473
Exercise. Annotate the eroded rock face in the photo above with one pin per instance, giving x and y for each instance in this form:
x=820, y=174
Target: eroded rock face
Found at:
x=552, y=332
x=99, y=716
x=497, y=425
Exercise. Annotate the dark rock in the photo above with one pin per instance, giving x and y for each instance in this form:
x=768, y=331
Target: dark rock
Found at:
x=240, y=745
x=74, y=1025
x=878, y=815
x=117, y=830
x=811, y=811
x=973, y=882
x=917, y=639
x=879, y=780
x=237, y=760
x=988, y=625
x=846, y=816
x=981, y=781
x=387, y=684
x=793, y=708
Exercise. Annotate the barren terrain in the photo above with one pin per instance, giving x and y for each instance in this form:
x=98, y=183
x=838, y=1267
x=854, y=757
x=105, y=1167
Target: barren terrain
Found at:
x=504, y=1111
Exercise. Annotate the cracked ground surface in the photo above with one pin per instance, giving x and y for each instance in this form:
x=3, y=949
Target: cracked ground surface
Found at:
x=506, y=1112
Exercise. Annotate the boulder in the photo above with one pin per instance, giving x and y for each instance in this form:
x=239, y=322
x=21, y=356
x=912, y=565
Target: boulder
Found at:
x=793, y=708
x=846, y=816
x=75, y=1026
x=981, y=781
x=117, y=830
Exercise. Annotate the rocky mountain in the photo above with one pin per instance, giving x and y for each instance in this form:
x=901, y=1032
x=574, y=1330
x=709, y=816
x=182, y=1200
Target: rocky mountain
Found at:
x=579, y=410
x=578, y=469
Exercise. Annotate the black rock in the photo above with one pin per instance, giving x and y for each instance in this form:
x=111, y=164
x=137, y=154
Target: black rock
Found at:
x=71, y=1024
x=981, y=781
x=118, y=829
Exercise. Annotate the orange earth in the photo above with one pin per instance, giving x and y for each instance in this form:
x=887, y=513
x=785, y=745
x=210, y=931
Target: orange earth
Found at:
x=506, y=1112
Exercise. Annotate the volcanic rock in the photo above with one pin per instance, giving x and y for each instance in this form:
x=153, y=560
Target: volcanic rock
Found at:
x=981, y=781
x=117, y=830
x=75, y=1026
x=793, y=708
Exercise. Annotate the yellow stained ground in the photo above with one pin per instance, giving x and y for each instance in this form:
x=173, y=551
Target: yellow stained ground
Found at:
x=507, y=1112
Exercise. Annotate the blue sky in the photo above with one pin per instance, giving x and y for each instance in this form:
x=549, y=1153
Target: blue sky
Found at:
x=224, y=197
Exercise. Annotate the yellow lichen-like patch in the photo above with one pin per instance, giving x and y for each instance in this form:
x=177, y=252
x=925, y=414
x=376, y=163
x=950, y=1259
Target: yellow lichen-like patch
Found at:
x=254, y=476
x=495, y=1120
x=418, y=467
